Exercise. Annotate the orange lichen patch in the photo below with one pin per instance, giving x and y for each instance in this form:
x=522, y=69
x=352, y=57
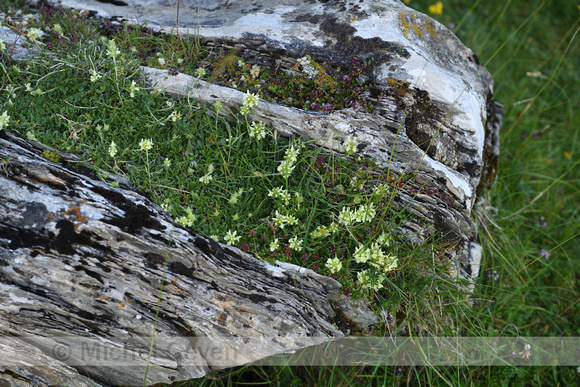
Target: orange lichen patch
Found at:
x=75, y=212
x=174, y=287
x=51, y=216
x=430, y=28
x=417, y=30
x=404, y=25
x=417, y=26
x=122, y=303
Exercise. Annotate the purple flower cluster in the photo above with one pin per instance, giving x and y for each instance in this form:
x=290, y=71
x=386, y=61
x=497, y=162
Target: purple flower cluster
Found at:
x=542, y=223
x=493, y=275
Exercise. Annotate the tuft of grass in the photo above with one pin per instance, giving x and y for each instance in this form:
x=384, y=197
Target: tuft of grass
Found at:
x=225, y=176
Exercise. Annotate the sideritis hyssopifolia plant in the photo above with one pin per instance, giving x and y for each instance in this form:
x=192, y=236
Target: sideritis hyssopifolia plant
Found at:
x=231, y=178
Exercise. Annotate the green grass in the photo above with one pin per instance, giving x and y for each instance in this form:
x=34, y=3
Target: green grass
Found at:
x=531, y=50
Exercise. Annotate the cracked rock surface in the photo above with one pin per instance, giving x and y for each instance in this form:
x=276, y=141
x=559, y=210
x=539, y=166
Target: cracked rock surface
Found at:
x=81, y=268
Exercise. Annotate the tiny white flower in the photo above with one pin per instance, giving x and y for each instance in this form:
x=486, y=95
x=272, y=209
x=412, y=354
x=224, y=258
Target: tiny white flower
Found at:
x=526, y=353
x=280, y=220
x=295, y=243
x=255, y=71
x=274, y=245
x=250, y=100
x=4, y=118
x=34, y=33
x=291, y=154
x=174, y=116
x=276, y=192
x=258, y=130
x=161, y=61
x=231, y=237
x=361, y=254
x=235, y=196
x=133, y=88
x=166, y=206
x=347, y=216
x=200, y=72
x=112, y=51
x=291, y=220
x=285, y=168
x=334, y=265
x=112, y=149
x=167, y=163
x=384, y=239
x=206, y=179
x=364, y=279
x=333, y=228
x=350, y=145
x=30, y=135
x=95, y=76
x=188, y=219
x=146, y=144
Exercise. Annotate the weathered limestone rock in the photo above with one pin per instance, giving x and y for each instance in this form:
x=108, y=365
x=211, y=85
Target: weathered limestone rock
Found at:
x=81, y=259
x=16, y=45
x=435, y=115
x=81, y=269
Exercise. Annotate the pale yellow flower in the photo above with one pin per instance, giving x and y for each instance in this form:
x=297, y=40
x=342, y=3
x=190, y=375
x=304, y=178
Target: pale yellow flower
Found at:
x=231, y=237
x=146, y=144
x=112, y=149
x=4, y=118
x=250, y=100
x=34, y=33
x=334, y=265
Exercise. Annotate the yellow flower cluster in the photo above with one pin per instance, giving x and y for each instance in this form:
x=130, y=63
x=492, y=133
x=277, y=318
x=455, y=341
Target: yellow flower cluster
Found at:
x=436, y=9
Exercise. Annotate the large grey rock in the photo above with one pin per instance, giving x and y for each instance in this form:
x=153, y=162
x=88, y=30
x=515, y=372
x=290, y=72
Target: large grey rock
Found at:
x=82, y=265
x=80, y=258
x=435, y=113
